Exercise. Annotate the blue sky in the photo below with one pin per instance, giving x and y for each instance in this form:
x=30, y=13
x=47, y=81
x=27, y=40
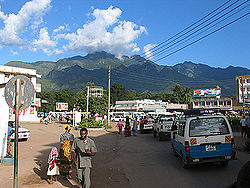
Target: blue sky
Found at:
x=41, y=30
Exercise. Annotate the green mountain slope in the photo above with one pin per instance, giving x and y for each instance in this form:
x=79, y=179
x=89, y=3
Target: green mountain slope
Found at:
x=135, y=73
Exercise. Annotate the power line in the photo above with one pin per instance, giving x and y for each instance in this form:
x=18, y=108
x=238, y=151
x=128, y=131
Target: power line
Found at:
x=203, y=37
x=206, y=29
x=162, y=51
x=140, y=60
x=189, y=26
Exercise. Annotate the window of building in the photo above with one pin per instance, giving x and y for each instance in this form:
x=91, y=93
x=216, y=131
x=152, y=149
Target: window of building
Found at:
x=221, y=102
x=228, y=102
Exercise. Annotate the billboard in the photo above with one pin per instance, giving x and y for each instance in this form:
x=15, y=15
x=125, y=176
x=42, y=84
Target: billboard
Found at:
x=207, y=92
x=61, y=106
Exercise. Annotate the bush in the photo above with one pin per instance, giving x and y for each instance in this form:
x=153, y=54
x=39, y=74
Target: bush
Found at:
x=91, y=123
x=235, y=123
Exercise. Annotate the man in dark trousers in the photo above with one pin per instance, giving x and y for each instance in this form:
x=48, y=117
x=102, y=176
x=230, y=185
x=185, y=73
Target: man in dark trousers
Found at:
x=83, y=149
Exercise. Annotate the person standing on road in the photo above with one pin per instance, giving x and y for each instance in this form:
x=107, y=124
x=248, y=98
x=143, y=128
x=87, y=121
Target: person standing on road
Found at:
x=83, y=149
x=134, y=129
x=247, y=122
x=243, y=127
x=127, y=127
x=66, y=140
x=10, y=132
x=120, y=126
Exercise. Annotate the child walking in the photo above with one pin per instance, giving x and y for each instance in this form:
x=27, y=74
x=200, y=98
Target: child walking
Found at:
x=53, y=169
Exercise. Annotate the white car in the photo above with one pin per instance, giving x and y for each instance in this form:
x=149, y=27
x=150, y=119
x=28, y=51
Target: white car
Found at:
x=117, y=118
x=23, y=133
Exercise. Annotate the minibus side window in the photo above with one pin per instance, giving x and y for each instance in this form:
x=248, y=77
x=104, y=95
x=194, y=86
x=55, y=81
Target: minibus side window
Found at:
x=181, y=127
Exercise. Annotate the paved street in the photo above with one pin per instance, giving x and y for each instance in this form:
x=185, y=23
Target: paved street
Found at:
x=121, y=162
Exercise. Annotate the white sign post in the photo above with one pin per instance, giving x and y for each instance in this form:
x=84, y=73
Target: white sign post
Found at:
x=19, y=94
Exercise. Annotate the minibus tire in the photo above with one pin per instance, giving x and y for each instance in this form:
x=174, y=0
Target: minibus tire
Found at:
x=224, y=163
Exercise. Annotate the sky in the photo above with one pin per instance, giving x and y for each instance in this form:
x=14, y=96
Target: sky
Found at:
x=49, y=30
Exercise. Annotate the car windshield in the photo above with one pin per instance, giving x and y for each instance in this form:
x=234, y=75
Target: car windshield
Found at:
x=208, y=127
x=167, y=118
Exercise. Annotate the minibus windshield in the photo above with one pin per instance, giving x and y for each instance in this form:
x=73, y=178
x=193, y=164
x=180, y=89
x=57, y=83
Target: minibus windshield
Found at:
x=208, y=127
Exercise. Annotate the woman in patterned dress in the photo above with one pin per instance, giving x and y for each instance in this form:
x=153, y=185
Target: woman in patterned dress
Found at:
x=66, y=140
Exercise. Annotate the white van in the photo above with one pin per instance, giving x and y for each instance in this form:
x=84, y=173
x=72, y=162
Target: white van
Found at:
x=203, y=139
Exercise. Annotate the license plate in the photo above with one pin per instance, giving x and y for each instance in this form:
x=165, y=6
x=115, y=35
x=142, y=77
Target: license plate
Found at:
x=210, y=147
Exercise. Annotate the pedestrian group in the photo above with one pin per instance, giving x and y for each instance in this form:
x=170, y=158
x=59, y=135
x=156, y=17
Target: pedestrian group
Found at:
x=78, y=151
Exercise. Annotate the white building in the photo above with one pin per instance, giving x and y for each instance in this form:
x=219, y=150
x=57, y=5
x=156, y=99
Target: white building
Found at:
x=243, y=89
x=29, y=114
x=147, y=105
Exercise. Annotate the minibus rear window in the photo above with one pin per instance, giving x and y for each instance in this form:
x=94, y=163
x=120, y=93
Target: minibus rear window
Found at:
x=208, y=127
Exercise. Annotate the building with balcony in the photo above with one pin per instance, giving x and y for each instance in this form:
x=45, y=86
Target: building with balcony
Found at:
x=223, y=104
x=8, y=72
x=147, y=105
x=243, y=89
x=29, y=114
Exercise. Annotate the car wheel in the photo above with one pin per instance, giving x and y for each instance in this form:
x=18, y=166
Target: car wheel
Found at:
x=224, y=163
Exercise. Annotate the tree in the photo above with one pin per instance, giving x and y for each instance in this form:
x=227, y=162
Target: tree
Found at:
x=81, y=100
x=188, y=94
x=65, y=96
x=49, y=97
x=146, y=95
x=117, y=93
x=131, y=95
x=177, y=94
x=99, y=104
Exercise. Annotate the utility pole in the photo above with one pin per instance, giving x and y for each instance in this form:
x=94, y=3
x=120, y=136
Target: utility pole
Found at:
x=109, y=95
x=87, y=101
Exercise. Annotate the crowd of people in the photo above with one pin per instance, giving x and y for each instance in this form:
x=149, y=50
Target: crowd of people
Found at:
x=245, y=129
x=73, y=150
x=128, y=129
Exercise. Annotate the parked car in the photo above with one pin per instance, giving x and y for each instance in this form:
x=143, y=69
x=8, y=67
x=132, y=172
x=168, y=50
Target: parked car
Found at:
x=162, y=126
x=203, y=139
x=117, y=118
x=23, y=133
x=145, y=125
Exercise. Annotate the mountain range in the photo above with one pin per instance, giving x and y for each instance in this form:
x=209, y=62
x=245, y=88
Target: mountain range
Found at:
x=135, y=73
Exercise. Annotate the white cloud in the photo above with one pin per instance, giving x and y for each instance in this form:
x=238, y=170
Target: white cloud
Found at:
x=136, y=49
x=57, y=51
x=30, y=15
x=60, y=28
x=147, y=50
x=13, y=52
x=105, y=33
x=44, y=42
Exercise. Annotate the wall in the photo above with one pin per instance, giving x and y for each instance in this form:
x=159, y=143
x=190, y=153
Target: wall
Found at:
x=4, y=115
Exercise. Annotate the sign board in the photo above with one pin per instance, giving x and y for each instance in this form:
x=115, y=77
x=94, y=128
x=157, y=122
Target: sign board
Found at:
x=159, y=111
x=38, y=102
x=27, y=92
x=61, y=106
x=207, y=92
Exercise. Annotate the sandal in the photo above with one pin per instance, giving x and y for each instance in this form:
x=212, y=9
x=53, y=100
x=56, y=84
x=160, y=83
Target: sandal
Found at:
x=69, y=176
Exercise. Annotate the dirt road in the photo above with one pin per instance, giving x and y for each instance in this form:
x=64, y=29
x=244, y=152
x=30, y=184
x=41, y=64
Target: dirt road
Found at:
x=33, y=156
x=121, y=162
